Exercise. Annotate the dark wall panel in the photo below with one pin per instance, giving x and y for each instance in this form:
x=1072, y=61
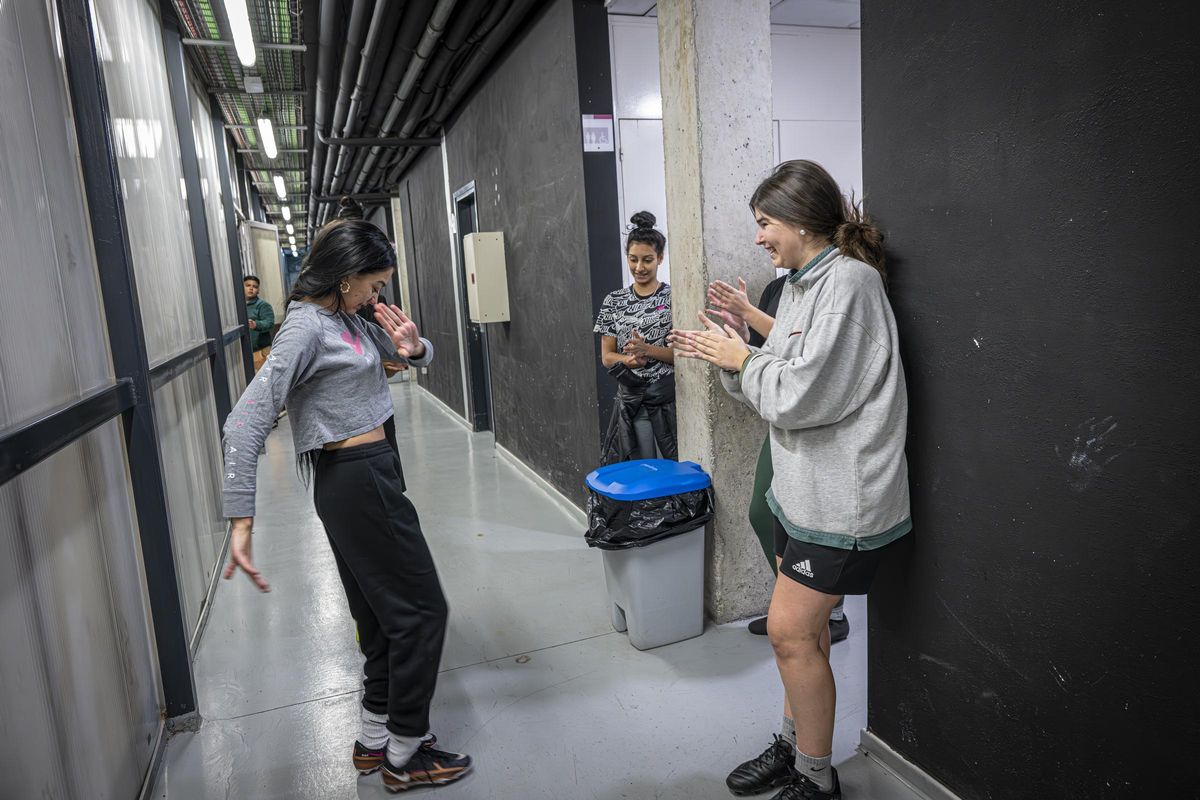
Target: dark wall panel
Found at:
x=1033, y=164
x=423, y=193
x=519, y=139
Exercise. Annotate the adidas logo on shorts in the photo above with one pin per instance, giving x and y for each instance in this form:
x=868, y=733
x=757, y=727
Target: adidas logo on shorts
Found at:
x=804, y=568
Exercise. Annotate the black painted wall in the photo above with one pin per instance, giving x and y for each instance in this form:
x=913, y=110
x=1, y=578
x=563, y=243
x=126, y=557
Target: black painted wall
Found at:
x=1034, y=166
x=519, y=139
x=431, y=279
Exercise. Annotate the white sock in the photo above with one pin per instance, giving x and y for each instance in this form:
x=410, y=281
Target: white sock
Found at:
x=374, y=732
x=819, y=770
x=401, y=748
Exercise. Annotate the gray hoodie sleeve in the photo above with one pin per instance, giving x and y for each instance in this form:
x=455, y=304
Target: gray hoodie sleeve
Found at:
x=250, y=422
x=840, y=366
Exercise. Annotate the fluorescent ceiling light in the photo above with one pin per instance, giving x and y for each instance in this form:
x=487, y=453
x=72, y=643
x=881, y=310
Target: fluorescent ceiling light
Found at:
x=268, y=137
x=287, y=213
x=291, y=228
x=292, y=241
x=280, y=189
x=239, y=24
x=294, y=253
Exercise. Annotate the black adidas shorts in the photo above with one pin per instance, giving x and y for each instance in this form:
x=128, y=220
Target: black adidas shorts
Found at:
x=829, y=570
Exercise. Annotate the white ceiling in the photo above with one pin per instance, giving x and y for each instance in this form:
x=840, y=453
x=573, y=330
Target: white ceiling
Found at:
x=814, y=13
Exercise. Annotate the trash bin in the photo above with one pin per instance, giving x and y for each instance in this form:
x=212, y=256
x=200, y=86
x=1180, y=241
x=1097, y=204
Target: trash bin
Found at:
x=647, y=518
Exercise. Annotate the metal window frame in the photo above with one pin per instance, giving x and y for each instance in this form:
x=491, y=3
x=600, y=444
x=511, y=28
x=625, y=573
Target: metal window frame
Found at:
x=25, y=446
x=110, y=236
x=189, y=157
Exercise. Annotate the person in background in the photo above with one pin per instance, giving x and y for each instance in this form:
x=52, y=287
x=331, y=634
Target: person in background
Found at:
x=830, y=382
x=753, y=324
x=260, y=318
x=633, y=324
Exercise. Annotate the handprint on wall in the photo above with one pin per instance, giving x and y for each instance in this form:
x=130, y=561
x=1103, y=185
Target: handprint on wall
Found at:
x=1093, y=450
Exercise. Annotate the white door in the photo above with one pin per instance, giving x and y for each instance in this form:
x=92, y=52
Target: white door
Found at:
x=643, y=183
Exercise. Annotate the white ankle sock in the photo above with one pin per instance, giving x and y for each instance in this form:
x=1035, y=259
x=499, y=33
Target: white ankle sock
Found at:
x=401, y=748
x=817, y=769
x=374, y=732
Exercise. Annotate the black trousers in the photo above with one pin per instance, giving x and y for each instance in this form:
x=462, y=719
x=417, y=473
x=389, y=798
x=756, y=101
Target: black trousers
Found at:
x=389, y=577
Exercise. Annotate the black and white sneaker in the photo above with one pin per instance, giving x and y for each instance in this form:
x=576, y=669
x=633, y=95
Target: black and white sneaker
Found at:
x=770, y=770
x=801, y=788
x=369, y=759
x=427, y=767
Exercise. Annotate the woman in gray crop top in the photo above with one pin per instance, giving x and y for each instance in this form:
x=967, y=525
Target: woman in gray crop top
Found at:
x=326, y=364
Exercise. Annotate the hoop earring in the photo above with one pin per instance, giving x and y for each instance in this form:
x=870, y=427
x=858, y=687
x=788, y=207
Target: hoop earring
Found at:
x=345, y=287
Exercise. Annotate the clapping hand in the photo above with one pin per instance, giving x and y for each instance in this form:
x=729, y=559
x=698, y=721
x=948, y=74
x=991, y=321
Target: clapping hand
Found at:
x=401, y=329
x=637, y=346
x=724, y=297
x=715, y=344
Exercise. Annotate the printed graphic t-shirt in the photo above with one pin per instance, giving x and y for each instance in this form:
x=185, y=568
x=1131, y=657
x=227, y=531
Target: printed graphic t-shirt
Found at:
x=624, y=311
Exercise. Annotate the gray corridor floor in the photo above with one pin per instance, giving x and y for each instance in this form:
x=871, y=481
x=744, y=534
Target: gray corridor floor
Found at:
x=535, y=684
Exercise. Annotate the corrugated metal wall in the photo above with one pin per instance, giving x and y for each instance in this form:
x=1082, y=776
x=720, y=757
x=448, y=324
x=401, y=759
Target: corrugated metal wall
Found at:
x=76, y=662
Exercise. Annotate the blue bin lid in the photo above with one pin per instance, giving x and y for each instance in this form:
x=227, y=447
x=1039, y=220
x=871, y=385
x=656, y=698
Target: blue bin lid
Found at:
x=648, y=477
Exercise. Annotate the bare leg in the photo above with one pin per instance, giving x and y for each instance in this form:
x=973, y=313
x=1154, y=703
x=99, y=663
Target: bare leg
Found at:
x=798, y=626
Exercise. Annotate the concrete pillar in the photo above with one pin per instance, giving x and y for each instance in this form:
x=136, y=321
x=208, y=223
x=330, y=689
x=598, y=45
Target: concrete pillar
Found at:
x=715, y=68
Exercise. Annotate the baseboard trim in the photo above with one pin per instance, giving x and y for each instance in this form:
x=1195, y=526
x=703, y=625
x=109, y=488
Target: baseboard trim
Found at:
x=561, y=500
x=156, y=759
x=878, y=751
x=437, y=401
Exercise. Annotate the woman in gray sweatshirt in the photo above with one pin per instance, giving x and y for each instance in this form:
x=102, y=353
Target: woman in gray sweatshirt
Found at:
x=326, y=364
x=829, y=381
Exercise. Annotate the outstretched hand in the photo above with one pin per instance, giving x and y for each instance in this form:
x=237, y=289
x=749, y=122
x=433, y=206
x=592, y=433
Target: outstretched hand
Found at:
x=715, y=344
x=402, y=330
x=239, y=553
x=724, y=297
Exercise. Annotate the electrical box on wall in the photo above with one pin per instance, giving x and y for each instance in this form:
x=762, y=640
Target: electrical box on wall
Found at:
x=487, y=277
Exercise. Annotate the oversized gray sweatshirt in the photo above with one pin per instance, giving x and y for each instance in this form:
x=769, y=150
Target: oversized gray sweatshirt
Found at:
x=327, y=367
x=829, y=381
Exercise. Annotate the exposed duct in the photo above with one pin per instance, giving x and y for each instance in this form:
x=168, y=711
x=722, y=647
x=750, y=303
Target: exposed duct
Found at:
x=464, y=81
x=457, y=37
x=433, y=33
x=382, y=30
x=416, y=15
x=329, y=31
x=360, y=15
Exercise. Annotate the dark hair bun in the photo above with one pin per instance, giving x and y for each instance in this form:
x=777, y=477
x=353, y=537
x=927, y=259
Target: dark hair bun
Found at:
x=643, y=219
x=349, y=208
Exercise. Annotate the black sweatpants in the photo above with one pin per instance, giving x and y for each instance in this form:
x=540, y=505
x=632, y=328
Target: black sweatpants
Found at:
x=389, y=577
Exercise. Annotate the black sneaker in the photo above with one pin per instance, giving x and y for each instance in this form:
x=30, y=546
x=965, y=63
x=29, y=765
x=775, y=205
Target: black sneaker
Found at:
x=770, y=770
x=367, y=759
x=758, y=626
x=801, y=788
x=839, y=629
x=427, y=767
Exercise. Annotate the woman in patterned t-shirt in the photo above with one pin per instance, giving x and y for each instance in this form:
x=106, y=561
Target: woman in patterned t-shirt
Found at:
x=634, y=323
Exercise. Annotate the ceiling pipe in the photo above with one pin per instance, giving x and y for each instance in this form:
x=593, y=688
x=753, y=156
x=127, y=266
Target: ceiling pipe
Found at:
x=356, y=33
x=432, y=35
x=464, y=31
x=329, y=29
x=464, y=81
x=379, y=141
x=382, y=29
x=416, y=15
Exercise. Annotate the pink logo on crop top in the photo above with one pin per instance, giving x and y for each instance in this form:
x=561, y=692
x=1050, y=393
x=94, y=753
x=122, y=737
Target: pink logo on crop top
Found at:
x=355, y=342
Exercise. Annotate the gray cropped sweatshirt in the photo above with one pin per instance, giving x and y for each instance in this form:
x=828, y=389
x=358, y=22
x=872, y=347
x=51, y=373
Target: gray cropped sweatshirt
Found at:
x=830, y=382
x=327, y=368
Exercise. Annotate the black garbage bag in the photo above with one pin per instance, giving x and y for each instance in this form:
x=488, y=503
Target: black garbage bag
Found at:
x=620, y=524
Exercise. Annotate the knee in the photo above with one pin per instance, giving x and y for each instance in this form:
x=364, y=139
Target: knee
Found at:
x=791, y=641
